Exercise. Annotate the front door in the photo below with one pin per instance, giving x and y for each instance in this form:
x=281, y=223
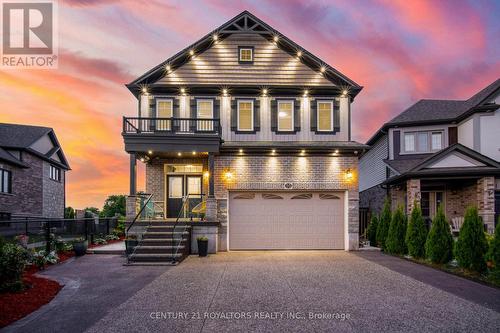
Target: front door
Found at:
x=179, y=186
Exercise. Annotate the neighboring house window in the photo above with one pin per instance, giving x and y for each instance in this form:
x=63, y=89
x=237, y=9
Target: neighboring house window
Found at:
x=245, y=115
x=437, y=141
x=325, y=116
x=423, y=142
x=204, y=110
x=55, y=173
x=164, y=109
x=246, y=54
x=285, y=116
x=5, y=181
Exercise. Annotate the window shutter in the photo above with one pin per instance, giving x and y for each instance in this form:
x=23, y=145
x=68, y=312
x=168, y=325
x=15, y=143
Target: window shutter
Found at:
x=336, y=115
x=274, y=115
x=256, y=115
x=216, y=123
x=152, y=113
x=152, y=107
x=296, y=115
x=192, y=112
x=314, y=115
x=234, y=119
x=175, y=108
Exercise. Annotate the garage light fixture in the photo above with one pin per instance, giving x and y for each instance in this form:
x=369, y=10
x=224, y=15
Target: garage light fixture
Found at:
x=349, y=175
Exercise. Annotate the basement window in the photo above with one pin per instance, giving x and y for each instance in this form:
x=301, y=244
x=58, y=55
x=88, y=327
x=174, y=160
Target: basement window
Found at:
x=245, y=54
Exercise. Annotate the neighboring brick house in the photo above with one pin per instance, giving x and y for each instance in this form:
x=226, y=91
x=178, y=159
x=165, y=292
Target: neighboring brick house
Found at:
x=32, y=172
x=258, y=125
x=438, y=152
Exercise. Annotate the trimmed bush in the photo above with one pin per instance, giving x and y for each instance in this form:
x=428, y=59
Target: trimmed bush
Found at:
x=372, y=230
x=383, y=224
x=13, y=258
x=395, y=242
x=439, y=244
x=495, y=248
x=416, y=234
x=471, y=245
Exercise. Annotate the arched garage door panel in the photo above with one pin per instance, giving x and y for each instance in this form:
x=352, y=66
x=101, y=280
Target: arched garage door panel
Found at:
x=286, y=220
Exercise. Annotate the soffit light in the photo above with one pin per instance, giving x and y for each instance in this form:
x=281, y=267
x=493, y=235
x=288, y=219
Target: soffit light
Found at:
x=168, y=68
x=191, y=52
x=275, y=39
x=183, y=90
x=215, y=37
x=302, y=152
x=273, y=152
x=306, y=92
x=322, y=69
x=179, y=154
x=299, y=54
x=264, y=91
x=194, y=153
x=241, y=151
x=224, y=92
x=144, y=90
x=150, y=152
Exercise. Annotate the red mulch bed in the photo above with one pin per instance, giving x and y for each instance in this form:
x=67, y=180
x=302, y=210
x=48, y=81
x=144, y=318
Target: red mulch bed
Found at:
x=39, y=291
x=91, y=246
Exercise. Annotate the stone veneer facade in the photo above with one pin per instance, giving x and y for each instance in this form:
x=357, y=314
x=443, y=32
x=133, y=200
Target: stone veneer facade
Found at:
x=479, y=193
x=298, y=173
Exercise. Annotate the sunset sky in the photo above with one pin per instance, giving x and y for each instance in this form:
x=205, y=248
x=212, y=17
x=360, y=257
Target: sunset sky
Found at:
x=400, y=51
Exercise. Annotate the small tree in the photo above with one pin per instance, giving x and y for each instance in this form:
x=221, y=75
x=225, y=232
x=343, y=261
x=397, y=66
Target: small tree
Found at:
x=439, y=244
x=114, y=205
x=471, y=245
x=91, y=212
x=69, y=213
x=395, y=242
x=416, y=233
x=372, y=230
x=383, y=224
x=495, y=247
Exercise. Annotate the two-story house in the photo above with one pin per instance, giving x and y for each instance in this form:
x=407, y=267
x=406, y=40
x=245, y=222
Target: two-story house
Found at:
x=32, y=172
x=438, y=152
x=261, y=128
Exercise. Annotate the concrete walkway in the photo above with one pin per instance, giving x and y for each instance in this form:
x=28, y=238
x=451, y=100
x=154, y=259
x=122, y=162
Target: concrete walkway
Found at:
x=281, y=291
x=114, y=248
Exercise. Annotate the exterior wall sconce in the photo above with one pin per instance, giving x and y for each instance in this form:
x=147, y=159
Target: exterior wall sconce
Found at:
x=228, y=175
x=206, y=174
x=349, y=175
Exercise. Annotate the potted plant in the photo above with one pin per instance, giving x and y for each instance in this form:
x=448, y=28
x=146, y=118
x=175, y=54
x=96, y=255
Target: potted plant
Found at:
x=202, y=245
x=80, y=246
x=130, y=243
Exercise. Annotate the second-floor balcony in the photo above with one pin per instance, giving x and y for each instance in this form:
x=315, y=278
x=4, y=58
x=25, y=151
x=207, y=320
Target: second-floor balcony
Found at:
x=142, y=134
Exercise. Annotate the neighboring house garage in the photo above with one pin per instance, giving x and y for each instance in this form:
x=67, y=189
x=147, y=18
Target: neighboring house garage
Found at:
x=286, y=220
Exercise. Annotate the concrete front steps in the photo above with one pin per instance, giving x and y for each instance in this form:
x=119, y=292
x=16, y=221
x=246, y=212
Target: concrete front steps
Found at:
x=161, y=244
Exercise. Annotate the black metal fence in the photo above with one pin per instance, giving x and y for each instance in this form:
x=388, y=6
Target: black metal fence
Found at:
x=43, y=232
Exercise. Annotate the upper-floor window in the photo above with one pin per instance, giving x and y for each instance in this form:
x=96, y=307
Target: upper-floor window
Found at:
x=204, y=110
x=164, y=109
x=5, y=181
x=285, y=116
x=245, y=115
x=325, y=116
x=423, y=141
x=55, y=173
x=245, y=54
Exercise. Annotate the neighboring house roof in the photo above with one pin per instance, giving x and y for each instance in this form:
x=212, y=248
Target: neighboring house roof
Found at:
x=5, y=156
x=22, y=137
x=248, y=23
x=434, y=111
x=427, y=167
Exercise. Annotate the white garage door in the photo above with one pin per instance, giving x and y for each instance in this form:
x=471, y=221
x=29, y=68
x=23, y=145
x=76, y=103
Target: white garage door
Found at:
x=286, y=220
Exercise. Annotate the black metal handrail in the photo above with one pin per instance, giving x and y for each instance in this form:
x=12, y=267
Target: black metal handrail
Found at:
x=175, y=247
x=173, y=125
x=140, y=210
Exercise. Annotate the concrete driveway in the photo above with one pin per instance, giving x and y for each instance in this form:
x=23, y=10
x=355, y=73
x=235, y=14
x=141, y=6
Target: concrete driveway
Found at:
x=293, y=291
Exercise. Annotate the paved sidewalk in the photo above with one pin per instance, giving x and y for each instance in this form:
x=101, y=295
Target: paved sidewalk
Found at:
x=279, y=291
x=94, y=286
